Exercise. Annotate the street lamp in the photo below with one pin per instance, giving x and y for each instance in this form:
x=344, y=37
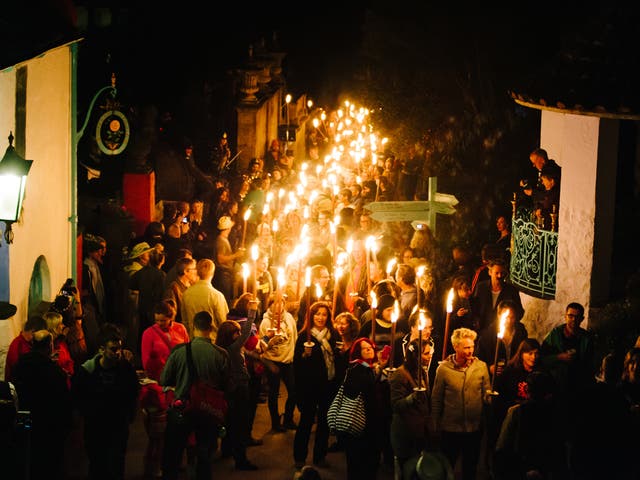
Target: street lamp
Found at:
x=13, y=182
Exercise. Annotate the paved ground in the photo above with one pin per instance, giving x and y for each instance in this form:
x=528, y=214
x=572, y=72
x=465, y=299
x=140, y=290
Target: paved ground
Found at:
x=274, y=458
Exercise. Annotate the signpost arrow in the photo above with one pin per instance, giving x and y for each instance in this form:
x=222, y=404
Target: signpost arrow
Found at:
x=446, y=198
x=398, y=216
x=443, y=208
x=397, y=206
x=417, y=212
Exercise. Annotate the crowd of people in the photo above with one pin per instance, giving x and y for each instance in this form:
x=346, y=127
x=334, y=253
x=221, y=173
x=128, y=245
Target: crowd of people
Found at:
x=283, y=277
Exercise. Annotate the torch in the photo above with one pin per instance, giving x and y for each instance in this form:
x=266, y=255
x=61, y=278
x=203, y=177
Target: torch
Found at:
x=254, y=257
x=245, y=275
x=369, y=244
x=274, y=228
x=390, y=265
x=246, y=216
x=447, y=323
x=307, y=283
x=503, y=323
x=374, y=306
x=281, y=280
x=337, y=274
x=394, y=320
x=422, y=321
x=419, y=273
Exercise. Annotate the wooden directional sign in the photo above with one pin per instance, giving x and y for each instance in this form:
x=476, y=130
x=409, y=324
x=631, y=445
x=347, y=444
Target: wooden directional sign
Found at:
x=446, y=198
x=415, y=211
x=400, y=216
x=397, y=206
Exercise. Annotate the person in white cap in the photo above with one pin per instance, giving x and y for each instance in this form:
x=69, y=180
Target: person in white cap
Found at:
x=225, y=259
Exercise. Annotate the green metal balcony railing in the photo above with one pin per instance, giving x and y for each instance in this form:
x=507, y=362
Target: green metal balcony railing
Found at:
x=534, y=257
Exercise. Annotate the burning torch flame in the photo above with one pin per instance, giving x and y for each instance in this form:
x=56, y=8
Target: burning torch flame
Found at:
x=396, y=312
x=281, y=280
x=390, y=265
x=450, y=301
x=422, y=320
x=503, y=323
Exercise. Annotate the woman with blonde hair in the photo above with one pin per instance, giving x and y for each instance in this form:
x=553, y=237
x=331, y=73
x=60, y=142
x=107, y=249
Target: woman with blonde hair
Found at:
x=458, y=398
x=61, y=352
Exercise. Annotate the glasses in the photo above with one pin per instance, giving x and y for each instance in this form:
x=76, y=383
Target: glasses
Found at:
x=115, y=349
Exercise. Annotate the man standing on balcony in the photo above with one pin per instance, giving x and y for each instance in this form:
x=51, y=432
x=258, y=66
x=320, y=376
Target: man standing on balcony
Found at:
x=533, y=182
x=489, y=293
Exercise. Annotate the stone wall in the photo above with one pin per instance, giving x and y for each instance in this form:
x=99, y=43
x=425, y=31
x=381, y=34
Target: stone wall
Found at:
x=585, y=148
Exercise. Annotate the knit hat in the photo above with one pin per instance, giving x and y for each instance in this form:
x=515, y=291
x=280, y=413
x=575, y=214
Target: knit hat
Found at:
x=225, y=223
x=385, y=301
x=140, y=249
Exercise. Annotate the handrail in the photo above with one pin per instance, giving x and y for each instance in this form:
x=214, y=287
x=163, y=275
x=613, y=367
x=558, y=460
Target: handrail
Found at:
x=534, y=258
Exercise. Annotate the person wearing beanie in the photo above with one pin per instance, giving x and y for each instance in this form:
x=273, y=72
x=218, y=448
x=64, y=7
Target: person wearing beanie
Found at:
x=362, y=452
x=382, y=331
x=384, y=336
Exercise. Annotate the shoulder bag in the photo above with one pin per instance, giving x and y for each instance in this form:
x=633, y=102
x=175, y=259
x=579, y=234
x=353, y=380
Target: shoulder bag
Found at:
x=347, y=415
x=205, y=402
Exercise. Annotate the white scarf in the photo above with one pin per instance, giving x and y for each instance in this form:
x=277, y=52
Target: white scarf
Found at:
x=323, y=337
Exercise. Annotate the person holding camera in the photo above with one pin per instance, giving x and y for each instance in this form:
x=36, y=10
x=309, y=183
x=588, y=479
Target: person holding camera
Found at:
x=532, y=182
x=68, y=304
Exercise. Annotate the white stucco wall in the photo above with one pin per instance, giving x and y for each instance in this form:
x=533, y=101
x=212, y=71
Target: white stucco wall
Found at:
x=44, y=228
x=571, y=140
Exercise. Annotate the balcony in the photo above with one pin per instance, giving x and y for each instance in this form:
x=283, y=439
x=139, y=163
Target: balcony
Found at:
x=534, y=257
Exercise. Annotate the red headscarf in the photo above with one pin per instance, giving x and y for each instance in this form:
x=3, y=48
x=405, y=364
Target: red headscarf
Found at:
x=355, y=351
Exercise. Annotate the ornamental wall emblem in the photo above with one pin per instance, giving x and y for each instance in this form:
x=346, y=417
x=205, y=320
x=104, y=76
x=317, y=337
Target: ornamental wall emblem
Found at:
x=112, y=132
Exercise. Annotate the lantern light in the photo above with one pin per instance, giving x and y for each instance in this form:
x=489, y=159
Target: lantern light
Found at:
x=13, y=181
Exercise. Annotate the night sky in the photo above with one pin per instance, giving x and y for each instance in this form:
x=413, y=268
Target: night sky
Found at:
x=160, y=52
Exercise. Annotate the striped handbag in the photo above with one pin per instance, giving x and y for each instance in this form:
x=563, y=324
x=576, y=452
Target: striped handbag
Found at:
x=346, y=415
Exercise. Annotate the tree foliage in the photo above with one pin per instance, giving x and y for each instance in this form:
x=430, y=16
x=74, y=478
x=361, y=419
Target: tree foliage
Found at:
x=440, y=83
